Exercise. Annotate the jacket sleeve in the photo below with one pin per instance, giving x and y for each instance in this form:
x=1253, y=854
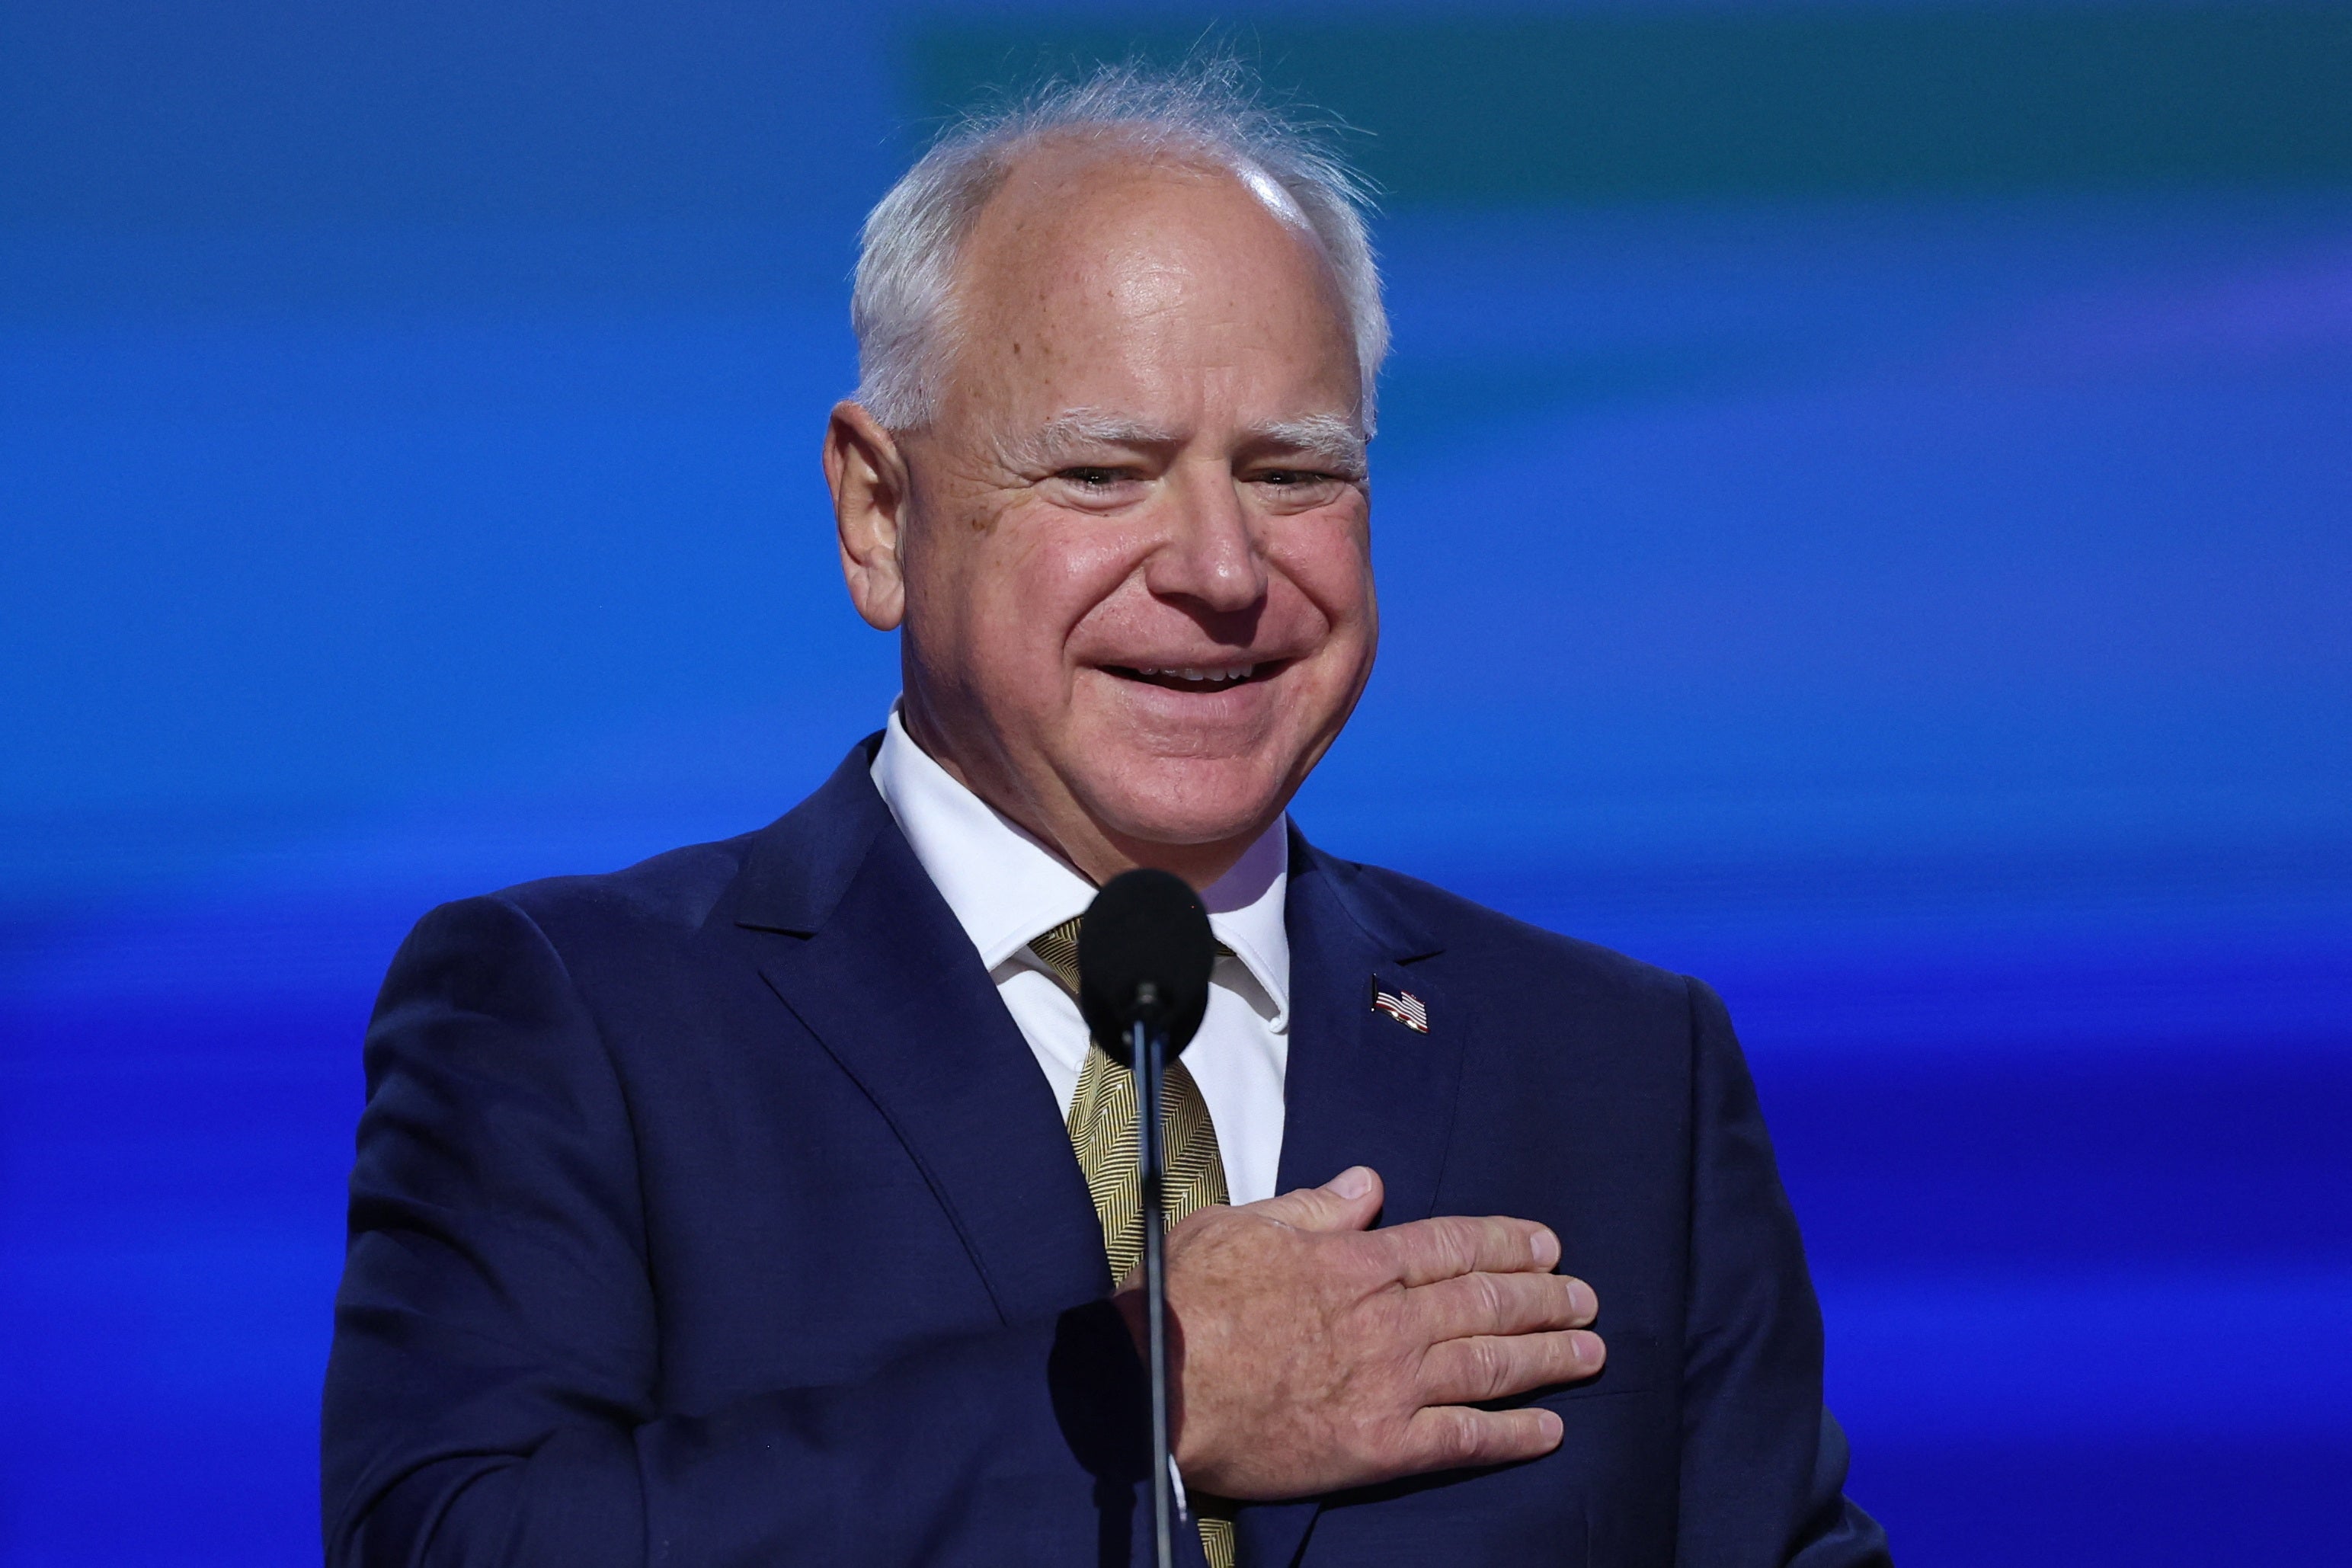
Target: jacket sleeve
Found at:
x=494, y=1391
x=1764, y=1464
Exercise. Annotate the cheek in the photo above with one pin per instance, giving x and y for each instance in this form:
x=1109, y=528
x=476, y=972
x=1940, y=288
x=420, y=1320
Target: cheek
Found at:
x=1328, y=563
x=1040, y=589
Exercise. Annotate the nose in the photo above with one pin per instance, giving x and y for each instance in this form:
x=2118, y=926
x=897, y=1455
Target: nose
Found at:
x=1211, y=555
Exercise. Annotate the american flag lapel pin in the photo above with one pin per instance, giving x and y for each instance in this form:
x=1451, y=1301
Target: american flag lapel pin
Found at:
x=1403, y=1006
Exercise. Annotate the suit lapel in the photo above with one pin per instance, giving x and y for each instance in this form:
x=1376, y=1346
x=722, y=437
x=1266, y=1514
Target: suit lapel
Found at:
x=869, y=958
x=1361, y=1089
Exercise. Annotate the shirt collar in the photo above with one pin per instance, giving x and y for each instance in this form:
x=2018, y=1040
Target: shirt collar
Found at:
x=1005, y=887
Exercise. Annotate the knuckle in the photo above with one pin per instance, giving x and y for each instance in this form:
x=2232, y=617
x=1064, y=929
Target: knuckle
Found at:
x=1490, y=1368
x=1393, y=1254
x=1457, y=1437
x=1336, y=1255
x=1364, y=1275
x=1444, y=1249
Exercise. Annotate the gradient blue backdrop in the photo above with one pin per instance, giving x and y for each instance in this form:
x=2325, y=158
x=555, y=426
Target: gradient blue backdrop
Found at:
x=1896, y=567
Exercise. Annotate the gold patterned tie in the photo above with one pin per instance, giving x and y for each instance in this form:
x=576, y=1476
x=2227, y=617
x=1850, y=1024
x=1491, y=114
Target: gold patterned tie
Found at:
x=1102, y=1130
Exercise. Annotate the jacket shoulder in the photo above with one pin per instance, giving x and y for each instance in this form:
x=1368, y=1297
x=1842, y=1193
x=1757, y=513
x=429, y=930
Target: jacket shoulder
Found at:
x=802, y=855
x=669, y=896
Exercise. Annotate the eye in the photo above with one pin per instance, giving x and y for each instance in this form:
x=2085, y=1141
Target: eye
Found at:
x=1300, y=487
x=1094, y=478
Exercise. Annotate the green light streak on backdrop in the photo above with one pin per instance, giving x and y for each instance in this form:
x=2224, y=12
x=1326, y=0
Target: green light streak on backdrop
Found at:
x=1813, y=101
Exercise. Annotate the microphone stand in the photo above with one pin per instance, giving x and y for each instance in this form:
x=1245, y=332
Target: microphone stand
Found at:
x=1148, y=1047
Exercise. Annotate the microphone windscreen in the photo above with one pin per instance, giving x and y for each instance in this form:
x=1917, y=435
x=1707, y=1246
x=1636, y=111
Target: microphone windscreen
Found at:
x=1144, y=953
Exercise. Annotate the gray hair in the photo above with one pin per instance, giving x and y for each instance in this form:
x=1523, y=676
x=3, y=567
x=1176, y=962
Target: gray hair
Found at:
x=901, y=305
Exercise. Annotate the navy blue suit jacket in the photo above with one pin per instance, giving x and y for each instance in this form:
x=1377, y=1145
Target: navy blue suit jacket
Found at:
x=714, y=1212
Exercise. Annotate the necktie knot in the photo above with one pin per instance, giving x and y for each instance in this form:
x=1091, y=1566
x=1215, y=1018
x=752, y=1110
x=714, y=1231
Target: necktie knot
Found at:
x=1057, y=950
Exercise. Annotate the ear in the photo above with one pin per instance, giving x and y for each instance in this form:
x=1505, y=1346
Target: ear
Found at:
x=868, y=474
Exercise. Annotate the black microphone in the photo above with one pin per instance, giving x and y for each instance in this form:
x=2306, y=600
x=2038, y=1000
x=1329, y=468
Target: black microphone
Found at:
x=1144, y=951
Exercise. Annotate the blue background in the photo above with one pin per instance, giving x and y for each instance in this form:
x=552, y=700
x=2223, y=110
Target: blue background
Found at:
x=1863, y=514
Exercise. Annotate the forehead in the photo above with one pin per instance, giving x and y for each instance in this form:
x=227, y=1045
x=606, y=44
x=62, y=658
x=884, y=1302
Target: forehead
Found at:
x=1105, y=257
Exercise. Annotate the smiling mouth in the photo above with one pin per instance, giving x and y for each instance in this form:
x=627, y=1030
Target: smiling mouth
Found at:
x=1190, y=677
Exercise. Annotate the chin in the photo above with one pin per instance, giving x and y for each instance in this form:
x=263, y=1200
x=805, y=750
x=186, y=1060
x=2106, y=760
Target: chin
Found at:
x=1187, y=801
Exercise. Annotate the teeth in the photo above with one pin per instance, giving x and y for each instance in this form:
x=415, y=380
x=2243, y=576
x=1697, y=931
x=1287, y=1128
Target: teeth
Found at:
x=1205, y=677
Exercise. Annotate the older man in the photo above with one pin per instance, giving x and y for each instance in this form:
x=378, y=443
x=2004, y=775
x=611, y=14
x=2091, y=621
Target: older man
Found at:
x=764, y=1202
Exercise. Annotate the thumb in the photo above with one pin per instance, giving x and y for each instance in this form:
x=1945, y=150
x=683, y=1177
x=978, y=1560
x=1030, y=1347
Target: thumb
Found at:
x=1347, y=1202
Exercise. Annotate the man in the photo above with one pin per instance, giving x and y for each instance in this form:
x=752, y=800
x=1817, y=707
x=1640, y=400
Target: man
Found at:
x=762, y=1202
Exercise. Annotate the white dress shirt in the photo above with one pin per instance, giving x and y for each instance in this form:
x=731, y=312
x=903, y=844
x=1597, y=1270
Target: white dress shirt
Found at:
x=1007, y=888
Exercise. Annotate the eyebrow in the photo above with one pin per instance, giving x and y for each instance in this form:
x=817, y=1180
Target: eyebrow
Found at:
x=1328, y=436
x=1094, y=428
x=1050, y=444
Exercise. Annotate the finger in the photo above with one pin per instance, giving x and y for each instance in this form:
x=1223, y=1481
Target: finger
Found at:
x=1449, y=1436
x=1429, y=1251
x=1495, y=1366
x=1501, y=1304
x=1347, y=1202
